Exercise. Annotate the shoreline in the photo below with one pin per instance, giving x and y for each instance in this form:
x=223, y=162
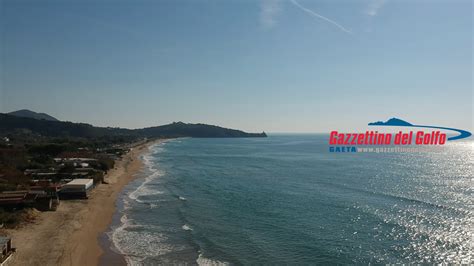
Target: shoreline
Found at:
x=72, y=234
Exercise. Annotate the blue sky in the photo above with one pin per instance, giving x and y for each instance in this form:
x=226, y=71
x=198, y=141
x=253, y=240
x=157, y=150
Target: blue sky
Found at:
x=278, y=66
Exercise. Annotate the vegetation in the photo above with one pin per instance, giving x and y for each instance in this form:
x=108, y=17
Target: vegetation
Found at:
x=105, y=163
x=14, y=218
x=13, y=125
x=31, y=114
x=180, y=129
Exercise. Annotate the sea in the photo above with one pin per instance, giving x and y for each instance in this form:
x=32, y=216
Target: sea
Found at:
x=286, y=199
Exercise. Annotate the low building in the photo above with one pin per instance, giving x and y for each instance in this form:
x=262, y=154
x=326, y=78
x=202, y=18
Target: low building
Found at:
x=7, y=249
x=16, y=199
x=77, y=188
x=82, y=175
x=38, y=197
x=74, y=160
x=47, y=194
x=85, y=169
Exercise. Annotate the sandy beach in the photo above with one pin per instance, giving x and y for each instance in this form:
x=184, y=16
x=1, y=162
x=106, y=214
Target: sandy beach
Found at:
x=70, y=235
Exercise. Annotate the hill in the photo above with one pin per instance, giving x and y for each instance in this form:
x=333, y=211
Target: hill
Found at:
x=31, y=114
x=10, y=124
x=180, y=129
x=391, y=122
x=13, y=124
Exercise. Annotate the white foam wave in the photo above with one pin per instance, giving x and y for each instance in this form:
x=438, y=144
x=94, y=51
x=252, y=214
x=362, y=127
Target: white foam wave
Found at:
x=144, y=190
x=151, y=154
x=148, y=162
x=186, y=227
x=136, y=242
x=201, y=260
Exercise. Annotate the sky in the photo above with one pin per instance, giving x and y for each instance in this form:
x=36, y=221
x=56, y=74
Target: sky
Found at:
x=263, y=65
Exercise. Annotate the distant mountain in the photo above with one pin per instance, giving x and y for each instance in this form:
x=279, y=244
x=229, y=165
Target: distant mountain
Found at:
x=391, y=122
x=12, y=124
x=180, y=129
x=31, y=114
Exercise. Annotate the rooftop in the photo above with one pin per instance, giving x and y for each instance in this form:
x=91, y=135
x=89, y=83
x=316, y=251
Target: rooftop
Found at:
x=80, y=181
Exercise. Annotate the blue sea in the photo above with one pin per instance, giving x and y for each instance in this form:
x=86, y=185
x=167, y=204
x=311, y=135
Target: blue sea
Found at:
x=286, y=200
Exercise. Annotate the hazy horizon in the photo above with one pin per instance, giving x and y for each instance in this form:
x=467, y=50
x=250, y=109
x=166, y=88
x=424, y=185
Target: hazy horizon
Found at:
x=270, y=65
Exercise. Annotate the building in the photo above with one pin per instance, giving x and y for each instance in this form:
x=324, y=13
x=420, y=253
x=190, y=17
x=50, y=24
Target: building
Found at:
x=16, y=199
x=77, y=188
x=74, y=160
x=38, y=197
x=7, y=249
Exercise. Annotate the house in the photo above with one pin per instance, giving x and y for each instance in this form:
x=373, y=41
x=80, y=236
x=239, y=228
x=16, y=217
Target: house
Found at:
x=16, y=199
x=41, y=197
x=77, y=188
x=47, y=194
x=74, y=160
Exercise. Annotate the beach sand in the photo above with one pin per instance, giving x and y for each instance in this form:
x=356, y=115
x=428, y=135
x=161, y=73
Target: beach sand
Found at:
x=70, y=235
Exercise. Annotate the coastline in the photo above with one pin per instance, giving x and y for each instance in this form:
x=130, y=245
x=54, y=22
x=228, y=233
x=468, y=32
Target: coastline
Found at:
x=71, y=234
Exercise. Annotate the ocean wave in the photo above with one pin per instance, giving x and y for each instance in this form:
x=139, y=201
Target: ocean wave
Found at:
x=148, y=157
x=144, y=190
x=148, y=162
x=136, y=242
x=203, y=261
x=186, y=227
